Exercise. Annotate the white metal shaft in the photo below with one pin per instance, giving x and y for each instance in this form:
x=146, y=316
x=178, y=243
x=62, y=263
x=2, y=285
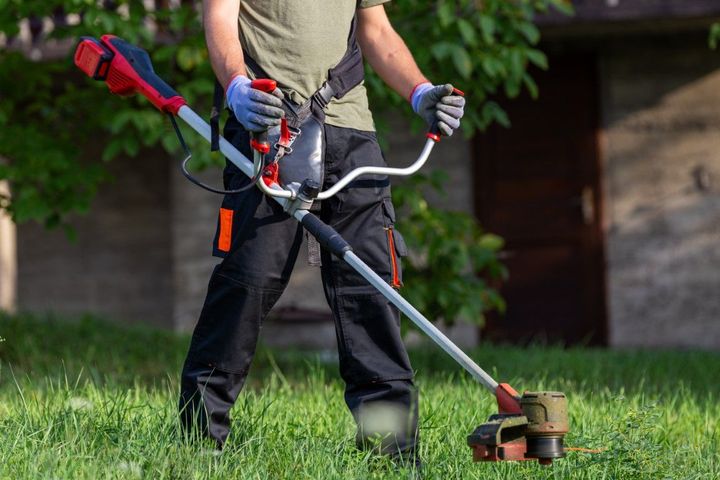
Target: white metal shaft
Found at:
x=246, y=166
x=423, y=323
x=402, y=172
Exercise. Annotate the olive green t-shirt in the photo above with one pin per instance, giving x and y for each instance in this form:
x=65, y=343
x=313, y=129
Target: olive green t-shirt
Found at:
x=296, y=42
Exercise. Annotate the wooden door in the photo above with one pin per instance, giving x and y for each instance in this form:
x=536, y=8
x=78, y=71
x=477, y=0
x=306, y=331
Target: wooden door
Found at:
x=538, y=185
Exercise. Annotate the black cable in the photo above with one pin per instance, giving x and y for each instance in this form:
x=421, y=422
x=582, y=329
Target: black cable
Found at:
x=188, y=175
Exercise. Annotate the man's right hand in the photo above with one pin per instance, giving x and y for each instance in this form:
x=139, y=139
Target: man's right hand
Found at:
x=437, y=104
x=254, y=109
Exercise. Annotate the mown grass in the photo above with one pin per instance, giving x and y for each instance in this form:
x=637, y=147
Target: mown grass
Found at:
x=91, y=400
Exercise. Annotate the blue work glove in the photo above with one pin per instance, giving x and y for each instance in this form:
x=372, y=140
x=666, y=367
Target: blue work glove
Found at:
x=254, y=109
x=437, y=103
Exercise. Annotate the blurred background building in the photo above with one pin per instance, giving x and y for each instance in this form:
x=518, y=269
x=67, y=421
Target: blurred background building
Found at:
x=606, y=189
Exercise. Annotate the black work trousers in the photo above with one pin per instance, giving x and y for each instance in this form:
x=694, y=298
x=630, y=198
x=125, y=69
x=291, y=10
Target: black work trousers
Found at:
x=259, y=244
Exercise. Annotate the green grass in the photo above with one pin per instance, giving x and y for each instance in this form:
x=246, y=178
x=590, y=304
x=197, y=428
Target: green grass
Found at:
x=92, y=400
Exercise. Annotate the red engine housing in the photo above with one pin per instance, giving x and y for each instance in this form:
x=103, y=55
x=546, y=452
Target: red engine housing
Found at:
x=126, y=69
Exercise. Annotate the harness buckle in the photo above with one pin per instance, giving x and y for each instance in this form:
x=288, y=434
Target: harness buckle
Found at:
x=287, y=138
x=324, y=95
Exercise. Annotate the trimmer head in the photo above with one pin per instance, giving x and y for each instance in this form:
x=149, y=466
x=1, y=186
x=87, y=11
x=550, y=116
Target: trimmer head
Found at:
x=525, y=428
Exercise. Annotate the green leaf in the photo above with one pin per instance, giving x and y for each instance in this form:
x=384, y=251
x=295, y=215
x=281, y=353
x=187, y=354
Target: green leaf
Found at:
x=512, y=87
x=492, y=66
x=517, y=63
x=462, y=61
x=537, y=58
x=446, y=13
x=442, y=50
x=491, y=242
x=714, y=38
x=487, y=28
x=492, y=112
x=530, y=85
x=131, y=146
x=563, y=6
x=530, y=31
x=467, y=32
x=112, y=150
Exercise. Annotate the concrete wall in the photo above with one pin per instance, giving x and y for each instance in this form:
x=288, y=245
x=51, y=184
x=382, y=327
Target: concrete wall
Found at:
x=8, y=257
x=192, y=227
x=661, y=108
x=119, y=266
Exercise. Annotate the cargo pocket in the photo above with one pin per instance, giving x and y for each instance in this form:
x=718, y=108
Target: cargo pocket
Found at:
x=226, y=226
x=233, y=178
x=230, y=213
x=395, y=244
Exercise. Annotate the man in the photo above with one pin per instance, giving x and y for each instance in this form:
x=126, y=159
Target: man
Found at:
x=296, y=42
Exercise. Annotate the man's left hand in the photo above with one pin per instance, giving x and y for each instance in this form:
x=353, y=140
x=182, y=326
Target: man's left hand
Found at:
x=436, y=103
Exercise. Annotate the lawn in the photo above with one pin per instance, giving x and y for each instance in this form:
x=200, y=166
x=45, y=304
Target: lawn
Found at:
x=87, y=399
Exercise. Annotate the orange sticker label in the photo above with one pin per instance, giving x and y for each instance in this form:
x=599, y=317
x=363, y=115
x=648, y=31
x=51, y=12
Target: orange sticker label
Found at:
x=225, y=236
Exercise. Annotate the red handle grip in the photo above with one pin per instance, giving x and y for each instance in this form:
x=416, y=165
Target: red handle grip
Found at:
x=264, y=84
x=259, y=140
x=434, y=133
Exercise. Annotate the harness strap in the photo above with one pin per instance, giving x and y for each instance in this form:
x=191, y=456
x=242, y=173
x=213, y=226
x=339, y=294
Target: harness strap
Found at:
x=218, y=97
x=254, y=66
x=343, y=77
x=347, y=74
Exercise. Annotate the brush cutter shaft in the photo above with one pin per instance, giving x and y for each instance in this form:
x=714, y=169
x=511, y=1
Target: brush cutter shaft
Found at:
x=423, y=323
x=246, y=166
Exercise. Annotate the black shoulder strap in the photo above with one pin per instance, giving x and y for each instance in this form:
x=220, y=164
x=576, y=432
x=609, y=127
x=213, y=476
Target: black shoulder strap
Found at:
x=255, y=67
x=218, y=97
x=343, y=77
x=347, y=74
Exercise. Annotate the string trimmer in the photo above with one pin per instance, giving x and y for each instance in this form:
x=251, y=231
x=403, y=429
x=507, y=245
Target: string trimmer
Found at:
x=531, y=426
